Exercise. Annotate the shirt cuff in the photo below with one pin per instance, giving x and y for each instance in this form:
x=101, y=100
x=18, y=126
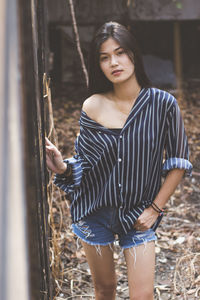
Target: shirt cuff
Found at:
x=68, y=183
x=177, y=163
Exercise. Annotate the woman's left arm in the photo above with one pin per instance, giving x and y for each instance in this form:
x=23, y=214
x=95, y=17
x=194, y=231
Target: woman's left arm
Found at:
x=176, y=165
x=149, y=216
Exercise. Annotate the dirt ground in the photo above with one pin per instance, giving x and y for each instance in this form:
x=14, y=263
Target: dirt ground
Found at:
x=178, y=245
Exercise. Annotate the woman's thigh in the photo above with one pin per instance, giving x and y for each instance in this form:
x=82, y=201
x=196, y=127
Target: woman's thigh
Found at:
x=101, y=263
x=140, y=262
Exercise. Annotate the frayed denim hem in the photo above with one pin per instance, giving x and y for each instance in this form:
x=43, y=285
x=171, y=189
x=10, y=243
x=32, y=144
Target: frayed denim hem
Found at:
x=140, y=238
x=91, y=243
x=97, y=246
x=143, y=242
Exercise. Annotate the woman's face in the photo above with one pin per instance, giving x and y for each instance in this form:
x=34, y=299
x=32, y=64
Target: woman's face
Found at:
x=115, y=62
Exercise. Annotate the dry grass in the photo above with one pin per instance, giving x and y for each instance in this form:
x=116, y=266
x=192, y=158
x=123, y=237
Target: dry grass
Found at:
x=187, y=276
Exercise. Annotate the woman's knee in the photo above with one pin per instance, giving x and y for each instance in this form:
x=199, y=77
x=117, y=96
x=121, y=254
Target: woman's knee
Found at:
x=142, y=295
x=105, y=288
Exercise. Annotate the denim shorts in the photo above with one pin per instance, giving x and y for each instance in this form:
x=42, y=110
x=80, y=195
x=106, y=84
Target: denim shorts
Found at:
x=103, y=228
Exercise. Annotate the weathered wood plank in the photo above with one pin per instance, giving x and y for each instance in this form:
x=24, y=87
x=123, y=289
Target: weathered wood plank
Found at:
x=165, y=10
x=90, y=12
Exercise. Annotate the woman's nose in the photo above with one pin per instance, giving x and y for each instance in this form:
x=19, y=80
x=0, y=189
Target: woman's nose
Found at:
x=113, y=61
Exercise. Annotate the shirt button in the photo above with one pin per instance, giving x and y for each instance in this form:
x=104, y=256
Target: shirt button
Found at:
x=121, y=207
x=99, y=131
x=119, y=185
x=120, y=136
x=119, y=159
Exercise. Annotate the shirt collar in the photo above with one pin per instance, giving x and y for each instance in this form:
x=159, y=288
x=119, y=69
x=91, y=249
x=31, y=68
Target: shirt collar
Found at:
x=141, y=101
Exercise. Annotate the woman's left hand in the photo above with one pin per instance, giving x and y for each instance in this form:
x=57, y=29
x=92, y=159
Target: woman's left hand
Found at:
x=146, y=219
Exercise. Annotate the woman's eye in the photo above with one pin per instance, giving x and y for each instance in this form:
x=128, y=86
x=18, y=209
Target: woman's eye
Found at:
x=103, y=58
x=120, y=52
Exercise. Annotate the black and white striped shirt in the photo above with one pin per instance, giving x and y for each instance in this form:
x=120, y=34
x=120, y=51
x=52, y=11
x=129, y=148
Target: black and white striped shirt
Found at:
x=124, y=170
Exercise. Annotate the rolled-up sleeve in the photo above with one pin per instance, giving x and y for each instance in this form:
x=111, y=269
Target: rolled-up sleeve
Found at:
x=70, y=182
x=78, y=164
x=176, y=146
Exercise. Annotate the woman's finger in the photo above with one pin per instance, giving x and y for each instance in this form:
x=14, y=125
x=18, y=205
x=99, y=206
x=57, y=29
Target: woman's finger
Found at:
x=53, y=150
x=48, y=142
x=50, y=147
x=49, y=159
x=50, y=163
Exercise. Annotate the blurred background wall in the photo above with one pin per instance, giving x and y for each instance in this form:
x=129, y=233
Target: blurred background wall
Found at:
x=168, y=33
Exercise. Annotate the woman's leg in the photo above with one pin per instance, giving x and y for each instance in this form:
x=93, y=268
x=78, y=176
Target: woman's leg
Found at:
x=102, y=270
x=140, y=262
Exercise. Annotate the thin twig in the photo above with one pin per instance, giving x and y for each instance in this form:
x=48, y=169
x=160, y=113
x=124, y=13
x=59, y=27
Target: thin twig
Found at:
x=74, y=23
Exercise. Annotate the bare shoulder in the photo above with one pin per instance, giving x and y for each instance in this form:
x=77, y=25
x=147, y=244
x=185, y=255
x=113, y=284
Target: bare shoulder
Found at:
x=92, y=104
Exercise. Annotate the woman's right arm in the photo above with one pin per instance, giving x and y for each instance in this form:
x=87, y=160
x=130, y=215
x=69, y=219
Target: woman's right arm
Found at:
x=54, y=158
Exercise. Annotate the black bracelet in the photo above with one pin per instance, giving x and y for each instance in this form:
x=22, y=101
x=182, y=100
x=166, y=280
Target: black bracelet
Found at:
x=156, y=208
x=160, y=210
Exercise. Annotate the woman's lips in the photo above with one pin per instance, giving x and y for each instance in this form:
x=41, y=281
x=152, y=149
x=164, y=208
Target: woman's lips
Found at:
x=117, y=72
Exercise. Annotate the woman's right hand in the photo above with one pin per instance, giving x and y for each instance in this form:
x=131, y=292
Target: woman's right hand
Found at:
x=54, y=158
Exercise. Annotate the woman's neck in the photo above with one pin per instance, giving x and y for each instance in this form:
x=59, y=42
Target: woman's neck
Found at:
x=126, y=91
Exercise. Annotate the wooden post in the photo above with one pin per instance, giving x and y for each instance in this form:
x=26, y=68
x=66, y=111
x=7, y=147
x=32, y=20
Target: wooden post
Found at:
x=33, y=57
x=178, y=59
x=24, y=259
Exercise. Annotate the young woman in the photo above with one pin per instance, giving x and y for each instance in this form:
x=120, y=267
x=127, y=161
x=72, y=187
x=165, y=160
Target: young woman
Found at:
x=114, y=180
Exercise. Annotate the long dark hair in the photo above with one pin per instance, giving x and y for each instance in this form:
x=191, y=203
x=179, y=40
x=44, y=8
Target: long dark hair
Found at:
x=98, y=83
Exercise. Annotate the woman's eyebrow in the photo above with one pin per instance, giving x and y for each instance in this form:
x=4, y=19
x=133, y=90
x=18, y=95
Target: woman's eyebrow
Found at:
x=114, y=50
